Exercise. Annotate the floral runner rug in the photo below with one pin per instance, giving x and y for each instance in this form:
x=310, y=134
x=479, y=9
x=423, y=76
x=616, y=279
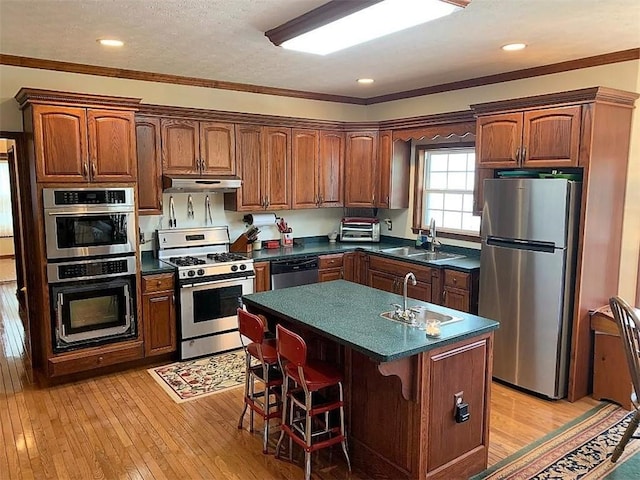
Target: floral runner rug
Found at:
x=185, y=381
x=580, y=450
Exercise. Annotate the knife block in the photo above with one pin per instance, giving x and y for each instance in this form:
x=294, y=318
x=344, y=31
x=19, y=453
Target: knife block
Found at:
x=241, y=245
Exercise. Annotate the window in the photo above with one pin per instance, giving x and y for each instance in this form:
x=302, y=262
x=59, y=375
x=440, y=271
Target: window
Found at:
x=6, y=219
x=447, y=190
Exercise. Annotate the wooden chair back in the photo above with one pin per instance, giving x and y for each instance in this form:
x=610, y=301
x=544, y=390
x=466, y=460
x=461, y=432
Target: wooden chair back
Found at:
x=629, y=326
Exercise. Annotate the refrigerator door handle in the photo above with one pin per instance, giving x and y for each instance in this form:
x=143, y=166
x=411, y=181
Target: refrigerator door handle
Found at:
x=515, y=243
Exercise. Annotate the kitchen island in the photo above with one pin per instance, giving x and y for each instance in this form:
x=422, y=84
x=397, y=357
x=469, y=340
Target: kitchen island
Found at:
x=401, y=386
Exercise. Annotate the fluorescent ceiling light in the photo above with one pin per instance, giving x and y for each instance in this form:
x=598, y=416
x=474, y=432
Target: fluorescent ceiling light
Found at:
x=365, y=81
x=512, y=47
x=380, y=19
x=110, y=42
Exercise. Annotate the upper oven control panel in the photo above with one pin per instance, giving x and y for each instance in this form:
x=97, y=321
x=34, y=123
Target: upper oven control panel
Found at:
x=70, y=197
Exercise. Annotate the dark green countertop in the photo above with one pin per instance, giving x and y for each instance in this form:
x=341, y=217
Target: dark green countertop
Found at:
x=349, y=314
x=150, y=265
x=470, y=262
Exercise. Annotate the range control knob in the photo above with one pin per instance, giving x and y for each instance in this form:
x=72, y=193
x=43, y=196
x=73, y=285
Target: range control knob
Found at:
x=200, y=271
x=234, y=268
x=191, y=273
x=243, y=267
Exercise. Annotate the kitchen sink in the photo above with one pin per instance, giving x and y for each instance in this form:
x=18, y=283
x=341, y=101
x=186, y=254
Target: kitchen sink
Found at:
x=420, y=254
x=422, y=315
x=434, y=256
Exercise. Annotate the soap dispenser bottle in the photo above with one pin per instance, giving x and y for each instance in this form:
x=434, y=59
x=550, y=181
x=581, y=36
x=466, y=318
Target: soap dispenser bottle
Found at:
x=419, y=239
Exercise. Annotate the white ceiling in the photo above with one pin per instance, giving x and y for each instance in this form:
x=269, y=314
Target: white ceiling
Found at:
x=224, y=40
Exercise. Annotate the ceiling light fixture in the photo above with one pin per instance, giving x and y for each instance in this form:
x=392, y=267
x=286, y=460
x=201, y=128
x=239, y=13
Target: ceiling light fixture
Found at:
x=110, y=42
x=512, y=47
x=365, y=81
x=338, y=24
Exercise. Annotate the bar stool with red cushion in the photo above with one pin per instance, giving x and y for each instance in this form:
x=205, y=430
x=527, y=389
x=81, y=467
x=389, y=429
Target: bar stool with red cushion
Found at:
x=302, y=403
x=265, y=370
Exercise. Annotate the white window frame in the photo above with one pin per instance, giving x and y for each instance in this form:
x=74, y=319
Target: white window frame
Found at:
x=469, y=190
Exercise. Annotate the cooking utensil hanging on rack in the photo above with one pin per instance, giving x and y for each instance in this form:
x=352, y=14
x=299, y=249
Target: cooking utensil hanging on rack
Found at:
x=190, y=213
x=172, y=213
x=207, y=211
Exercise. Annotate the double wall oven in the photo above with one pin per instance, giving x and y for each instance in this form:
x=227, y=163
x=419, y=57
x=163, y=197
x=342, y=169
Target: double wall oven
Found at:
x=91, y=265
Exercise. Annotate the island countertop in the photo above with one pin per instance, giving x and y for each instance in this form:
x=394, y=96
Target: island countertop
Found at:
x=349, y=313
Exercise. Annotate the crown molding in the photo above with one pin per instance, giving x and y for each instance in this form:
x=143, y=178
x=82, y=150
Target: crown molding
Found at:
x=35, y=95
x=598, y=60
x=55, y=65
x=584, y=95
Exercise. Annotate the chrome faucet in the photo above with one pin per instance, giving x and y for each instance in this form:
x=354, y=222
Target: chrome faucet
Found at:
x=408, y=276
x=432, y=233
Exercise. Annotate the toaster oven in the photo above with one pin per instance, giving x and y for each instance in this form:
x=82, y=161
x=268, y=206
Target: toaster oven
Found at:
x=359, y=229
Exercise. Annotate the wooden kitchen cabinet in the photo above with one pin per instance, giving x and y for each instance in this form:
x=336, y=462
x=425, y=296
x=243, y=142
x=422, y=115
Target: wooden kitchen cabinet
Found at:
x=544, y=138
x=149, y=156
x=460, y=290
x=387, y=274
x=317, y=164
x=330, y=267
x=190, y=147
x=360, y=169
x=393, y=172
x=262, y=282
x=76, y=144
x=158, y=313
x=264, y=164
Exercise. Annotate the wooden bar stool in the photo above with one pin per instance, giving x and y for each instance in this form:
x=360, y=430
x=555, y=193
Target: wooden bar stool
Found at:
x=303, y=407
x=265, y=370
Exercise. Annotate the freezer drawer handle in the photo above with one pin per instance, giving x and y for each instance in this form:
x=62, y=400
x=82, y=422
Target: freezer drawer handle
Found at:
x=517, y=244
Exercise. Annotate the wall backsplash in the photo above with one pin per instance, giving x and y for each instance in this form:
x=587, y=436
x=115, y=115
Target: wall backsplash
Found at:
x=304, y=223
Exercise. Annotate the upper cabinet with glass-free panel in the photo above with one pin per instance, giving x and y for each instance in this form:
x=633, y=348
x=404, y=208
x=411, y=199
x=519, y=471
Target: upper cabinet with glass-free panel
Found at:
x=393, y=171
x=547, y=137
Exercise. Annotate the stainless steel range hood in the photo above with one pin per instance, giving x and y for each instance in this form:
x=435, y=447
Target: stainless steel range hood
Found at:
x=185, y=183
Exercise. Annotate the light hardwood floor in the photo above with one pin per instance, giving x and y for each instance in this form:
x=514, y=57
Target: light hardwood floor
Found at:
x=123, y=426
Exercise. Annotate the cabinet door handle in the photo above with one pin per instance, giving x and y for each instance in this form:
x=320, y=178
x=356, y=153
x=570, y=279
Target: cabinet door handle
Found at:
x=342, y=273
x=85, y=170
x=93, y=168
x=373, y=199
x=518, y=154
x=387, y=199
x=267, y=202
x=444, y=296
x=524, y=153
x=321, y=198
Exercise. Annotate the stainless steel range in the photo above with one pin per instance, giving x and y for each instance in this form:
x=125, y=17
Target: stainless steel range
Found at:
x=211, y=281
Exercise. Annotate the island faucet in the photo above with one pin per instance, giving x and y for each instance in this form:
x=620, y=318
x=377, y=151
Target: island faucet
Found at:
x=408, y=276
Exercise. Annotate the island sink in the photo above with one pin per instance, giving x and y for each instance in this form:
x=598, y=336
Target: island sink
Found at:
x=422, y=315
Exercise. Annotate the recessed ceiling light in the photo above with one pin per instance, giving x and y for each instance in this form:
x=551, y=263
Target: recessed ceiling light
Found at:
x=365, y=81
x=512, y=47
x=110, y=42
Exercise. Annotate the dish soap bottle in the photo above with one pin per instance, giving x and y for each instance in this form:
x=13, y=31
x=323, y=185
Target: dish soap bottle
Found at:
x=419, y=239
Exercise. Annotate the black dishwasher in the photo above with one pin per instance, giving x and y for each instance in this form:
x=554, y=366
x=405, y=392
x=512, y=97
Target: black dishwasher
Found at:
x=293, y=272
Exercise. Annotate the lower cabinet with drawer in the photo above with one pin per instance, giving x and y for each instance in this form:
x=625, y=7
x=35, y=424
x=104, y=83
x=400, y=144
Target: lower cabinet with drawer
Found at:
x=330, y=267
x=159, y=314
x=460, y=290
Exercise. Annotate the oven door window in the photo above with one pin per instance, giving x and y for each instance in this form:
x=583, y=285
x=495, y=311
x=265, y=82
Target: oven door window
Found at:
x=215, y=303
x=95, y=312
x=91, y=230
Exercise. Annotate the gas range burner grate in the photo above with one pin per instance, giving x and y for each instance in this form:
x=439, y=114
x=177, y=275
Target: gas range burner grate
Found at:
x=225, y=257
x=186, y=261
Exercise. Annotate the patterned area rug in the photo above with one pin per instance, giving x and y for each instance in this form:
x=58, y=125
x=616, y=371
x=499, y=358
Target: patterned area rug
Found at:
x=185, y=381
x=579, y=451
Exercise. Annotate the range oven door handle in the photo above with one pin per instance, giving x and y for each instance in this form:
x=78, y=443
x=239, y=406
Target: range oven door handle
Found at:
x=129, y=304
x=217, y=282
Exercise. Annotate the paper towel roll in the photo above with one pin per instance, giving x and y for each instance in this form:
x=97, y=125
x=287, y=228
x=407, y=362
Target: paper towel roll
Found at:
x=259, y=219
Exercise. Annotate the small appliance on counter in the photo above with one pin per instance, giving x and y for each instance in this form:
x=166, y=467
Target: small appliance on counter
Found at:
x=359, y=229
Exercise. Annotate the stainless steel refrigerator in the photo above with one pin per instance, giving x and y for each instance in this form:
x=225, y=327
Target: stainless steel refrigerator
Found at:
x=527, y=270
